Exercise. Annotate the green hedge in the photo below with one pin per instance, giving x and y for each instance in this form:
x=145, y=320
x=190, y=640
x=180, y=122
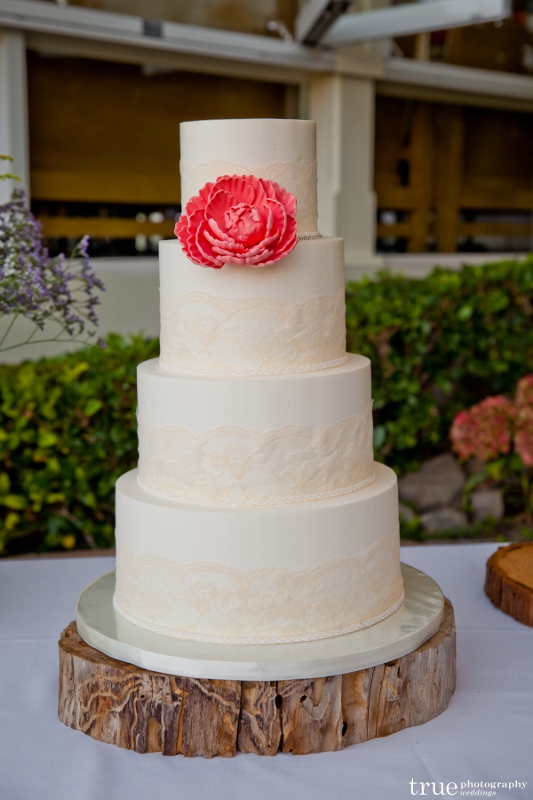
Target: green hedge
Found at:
x=438, y=345
x=67, y=424
x=67, y=432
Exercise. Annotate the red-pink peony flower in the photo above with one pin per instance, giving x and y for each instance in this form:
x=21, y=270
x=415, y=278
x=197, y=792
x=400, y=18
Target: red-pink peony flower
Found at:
x=485, y=430
x=238, y=219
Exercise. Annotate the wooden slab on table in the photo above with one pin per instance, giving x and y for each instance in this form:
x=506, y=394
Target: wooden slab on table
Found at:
x=145, y=711
x=509, y=580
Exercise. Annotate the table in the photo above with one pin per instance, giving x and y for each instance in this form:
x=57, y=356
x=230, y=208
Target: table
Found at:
x=484, y=736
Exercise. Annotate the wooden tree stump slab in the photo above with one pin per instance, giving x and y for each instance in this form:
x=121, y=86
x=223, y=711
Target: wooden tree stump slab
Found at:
x=148, y=712
x=509, y=580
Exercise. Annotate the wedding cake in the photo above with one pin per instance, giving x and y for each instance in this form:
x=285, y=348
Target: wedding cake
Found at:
x=256, y=514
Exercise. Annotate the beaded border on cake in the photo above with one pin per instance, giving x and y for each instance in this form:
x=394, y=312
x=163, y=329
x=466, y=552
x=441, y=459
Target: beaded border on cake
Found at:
x=336, y=362
x=305, y=236
x=272, y=501
x=198, y=637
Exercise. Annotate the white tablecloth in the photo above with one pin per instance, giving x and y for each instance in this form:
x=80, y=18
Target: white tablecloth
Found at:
x=486, y=734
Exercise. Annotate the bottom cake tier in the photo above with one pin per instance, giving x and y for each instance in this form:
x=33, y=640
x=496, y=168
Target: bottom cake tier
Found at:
x=283, y=573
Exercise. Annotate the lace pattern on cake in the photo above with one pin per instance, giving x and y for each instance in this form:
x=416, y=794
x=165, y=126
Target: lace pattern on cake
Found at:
x=204, y=334
x=264, y=606
x=292, y=175
x=239, y=466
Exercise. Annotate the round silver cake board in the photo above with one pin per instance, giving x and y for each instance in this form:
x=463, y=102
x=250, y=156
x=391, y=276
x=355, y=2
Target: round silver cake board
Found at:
x=411, y=625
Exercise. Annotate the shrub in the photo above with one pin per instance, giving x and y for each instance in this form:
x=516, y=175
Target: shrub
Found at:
x=498, y=432
x=67, y=432
x=438, y=345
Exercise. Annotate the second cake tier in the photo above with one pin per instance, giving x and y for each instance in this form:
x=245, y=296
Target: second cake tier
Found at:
x=255, y=441
x=287, y=317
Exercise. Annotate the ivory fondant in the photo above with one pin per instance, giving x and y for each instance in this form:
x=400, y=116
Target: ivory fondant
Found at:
x=281, y=150
x=282, y=571
x=239, y=320
x=200, y=403
x=255, y=441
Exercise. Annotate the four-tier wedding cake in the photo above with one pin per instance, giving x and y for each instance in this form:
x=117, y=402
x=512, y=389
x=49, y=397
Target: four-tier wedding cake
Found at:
x=257, y=514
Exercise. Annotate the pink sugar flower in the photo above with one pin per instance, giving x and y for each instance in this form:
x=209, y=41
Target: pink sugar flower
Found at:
x=238, y=219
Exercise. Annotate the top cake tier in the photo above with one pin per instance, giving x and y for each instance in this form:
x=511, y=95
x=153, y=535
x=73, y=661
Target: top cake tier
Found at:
x=280, y=150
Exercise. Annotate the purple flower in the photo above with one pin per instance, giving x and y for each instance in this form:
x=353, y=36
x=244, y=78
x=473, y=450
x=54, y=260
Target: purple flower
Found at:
x=40, y=287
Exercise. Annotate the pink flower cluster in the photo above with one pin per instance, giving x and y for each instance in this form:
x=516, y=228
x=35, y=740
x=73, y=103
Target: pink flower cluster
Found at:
x=238, y=219
x=523, y=439
x=490, y=428
x=484, y=431
x=524, y=391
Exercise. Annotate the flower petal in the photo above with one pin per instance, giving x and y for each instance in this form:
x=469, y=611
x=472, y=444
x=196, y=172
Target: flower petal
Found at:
x=279, y=215
x=204, y=247
x=199, y=200
x=258, y=188
x=237, y=186
x=276, y=192
x=217, y=206
x=181, y=229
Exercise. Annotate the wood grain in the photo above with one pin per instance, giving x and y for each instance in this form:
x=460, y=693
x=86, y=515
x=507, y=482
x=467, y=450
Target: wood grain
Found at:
x=311, y=715
x=147, y=712
x=260, y=719
x=509, y=580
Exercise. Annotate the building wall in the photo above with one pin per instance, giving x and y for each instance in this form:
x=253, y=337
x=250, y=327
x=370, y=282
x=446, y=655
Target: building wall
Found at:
x=109, y=132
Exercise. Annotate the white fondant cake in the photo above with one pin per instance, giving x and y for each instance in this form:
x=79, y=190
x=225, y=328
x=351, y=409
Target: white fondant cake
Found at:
x=257, y=513
x=255, y=441
x=290, y=316
x=283, y=151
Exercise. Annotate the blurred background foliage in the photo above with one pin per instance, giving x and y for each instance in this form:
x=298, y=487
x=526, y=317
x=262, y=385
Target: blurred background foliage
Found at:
x=67, y=432
x=437, y=345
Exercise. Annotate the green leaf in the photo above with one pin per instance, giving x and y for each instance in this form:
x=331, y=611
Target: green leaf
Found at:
x=5, y=483
x=47, y=439
x=73, y=372
x=15, y=501
x=496, y=469
x=516, y=465
x=92, y=407
x=53, y=465
x=464, y=313
x=11, y=521
x=473, y=481
x=56, y=497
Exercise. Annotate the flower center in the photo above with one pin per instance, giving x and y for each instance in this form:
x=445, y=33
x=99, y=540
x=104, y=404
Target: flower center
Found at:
x=244, y=224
